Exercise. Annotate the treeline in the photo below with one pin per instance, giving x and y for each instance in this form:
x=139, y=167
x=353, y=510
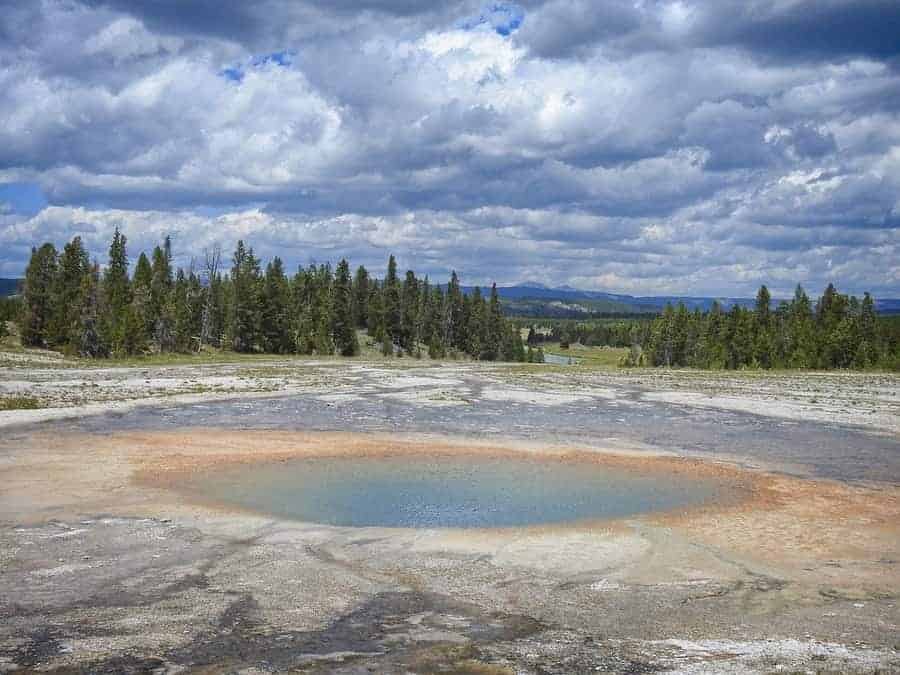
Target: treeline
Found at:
x=70, y=304
x=608, y=332
x=838, y=331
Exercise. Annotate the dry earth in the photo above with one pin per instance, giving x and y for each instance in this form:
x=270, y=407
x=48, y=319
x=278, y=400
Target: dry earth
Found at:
x=106, y=567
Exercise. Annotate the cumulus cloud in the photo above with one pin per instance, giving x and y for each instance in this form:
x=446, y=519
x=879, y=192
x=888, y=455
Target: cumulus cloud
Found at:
x=664, y=146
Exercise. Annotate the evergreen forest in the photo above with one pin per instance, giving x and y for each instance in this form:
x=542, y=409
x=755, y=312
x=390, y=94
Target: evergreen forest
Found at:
x=69, y=304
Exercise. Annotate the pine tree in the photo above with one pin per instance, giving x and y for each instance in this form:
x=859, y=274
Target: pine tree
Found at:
x=322, y=310
x=833, y=326
x=375, y=314
x=763, y=339
x=409, y=312
x=432, y=324
x=143, y=273
x=741, y=330
x=301, y=294
x=133, y=336
x=492, y=328
x=454, y=321
x=160, y=311
x=115, y=321
x=141, y=288
x=393, y=312
x=713, y=353
x=475, y=320
x=181, y=302
x=361, y=294
x=801, y=346
x=867, y=351
x=90, y=343
x=245, y=318
x=67, y=303
x=38, y=295
x=276, y=301
x=343, y=323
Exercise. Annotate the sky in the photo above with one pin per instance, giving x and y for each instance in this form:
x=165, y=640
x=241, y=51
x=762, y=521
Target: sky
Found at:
x=634, y=146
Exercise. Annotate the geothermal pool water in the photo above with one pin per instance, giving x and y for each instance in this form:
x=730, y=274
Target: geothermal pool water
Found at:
x=448, y=491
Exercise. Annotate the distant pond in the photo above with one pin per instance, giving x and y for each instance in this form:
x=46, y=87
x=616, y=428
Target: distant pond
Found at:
x=561, y=360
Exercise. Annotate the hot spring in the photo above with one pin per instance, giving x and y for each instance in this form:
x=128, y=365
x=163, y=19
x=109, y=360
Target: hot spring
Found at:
x=458, y=491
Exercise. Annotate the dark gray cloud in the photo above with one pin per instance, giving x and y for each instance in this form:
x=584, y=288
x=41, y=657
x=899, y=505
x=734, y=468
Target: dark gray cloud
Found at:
x=808, y=29
x=652, y=146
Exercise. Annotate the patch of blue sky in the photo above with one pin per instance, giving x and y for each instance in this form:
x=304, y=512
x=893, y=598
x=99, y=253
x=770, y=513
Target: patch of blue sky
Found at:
x=504, y=18
x=236, y=72
x=23, y=198
x=282, y=58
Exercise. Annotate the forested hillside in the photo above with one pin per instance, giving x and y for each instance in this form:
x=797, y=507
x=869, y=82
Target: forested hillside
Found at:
x=70, y=305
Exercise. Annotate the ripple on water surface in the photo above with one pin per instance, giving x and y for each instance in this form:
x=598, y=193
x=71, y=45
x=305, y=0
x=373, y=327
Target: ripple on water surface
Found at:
x=457, y=491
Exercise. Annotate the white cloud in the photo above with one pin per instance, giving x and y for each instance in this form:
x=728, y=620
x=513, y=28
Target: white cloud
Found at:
x=634, y=143
x=125, y=39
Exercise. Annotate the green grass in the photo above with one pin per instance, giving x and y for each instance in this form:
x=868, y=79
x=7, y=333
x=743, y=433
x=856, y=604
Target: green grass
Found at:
x=600, y=357
x=20, y=403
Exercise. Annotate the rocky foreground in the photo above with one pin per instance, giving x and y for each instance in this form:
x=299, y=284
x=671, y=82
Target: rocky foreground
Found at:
x=105, y=566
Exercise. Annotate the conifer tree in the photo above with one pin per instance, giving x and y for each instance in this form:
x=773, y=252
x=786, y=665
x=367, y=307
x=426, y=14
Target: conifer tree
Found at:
x=322, y=310
x=343, y=323
x=432, y=323
x=866, y=352
x=409, y=302
x=375, y=313
x=143, y=273
x=276, y=301
x=181, y=303
x=454, y=326
x=393, y=312
x=301, y=294
x=764, y=346
x=160, y=312
x=492, y=329
x=361, y=294
x=712, y=351
x=475, y=322
x=38, y=296
x=245, y=316
x=801, y=348
x=90, y=343
x=67, y=293
x=141, y=288
x=116, y=320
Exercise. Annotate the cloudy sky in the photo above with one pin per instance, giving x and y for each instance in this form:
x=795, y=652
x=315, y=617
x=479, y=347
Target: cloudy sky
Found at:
x=638, y=146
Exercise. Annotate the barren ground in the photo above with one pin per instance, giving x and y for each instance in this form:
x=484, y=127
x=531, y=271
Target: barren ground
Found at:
x=104, y=567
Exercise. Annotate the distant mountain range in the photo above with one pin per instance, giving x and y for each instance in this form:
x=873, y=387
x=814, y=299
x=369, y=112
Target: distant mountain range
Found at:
x=535, y=299
x=564, y=302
